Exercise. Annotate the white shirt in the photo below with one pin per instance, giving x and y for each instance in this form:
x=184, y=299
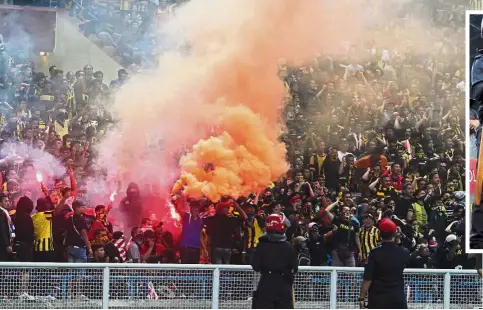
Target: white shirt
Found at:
x=358, y=138
x=343, y=154
x=461, y=86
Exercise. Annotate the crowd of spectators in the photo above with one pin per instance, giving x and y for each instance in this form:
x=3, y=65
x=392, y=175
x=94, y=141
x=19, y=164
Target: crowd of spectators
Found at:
x=372, y=137
x=376, y=134
x=380, y=135
x=130, y=30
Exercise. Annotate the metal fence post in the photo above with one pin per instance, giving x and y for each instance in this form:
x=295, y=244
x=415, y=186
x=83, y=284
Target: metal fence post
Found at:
x=215, y=295
x=333, y=289
x=446, y=291
x=105, y=288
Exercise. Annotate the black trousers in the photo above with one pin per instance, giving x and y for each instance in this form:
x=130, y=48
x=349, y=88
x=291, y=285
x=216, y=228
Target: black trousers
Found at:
x=4, y=256
x=274, y=291
x=476, y=232
x=268, y=301
x=189, y=255
x=24, y=251
x=386, y=304
x=44, y=256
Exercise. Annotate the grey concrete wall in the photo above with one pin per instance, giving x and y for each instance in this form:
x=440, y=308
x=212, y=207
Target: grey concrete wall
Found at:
x=73, y=51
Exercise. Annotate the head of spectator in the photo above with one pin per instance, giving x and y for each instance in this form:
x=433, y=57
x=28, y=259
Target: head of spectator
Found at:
x=79, y=206
x=223, y=207
x=117, y=235
x=99, y=76
x=389, y=205
x=295, y=201
x=385, y=181
x=12, y=186
x=79, y=74
x=424, y=250
x=52, y=71
x=100, y=237
x=55, y=196
x=149, y=237
x=101, y=213
x=408, y=191
x=99, y=253
x=58, y=76
x=368, y=220
x=300, y=244
x=158, y=229
x=82, y=187
x=6, y=203
x=347, y=199
x=434, y=179
x=146, y=223
x=132, y=191
x=122, y=75
x=25, y=206
x=452, y=241
x=88, y=71
x=137, y=235
x=70, y=77
x=43, y=205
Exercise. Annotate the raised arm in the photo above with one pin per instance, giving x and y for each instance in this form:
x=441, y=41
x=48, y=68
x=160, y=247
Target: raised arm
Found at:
x=73, y=183
x=373, y=185
x=239, y=209
x=328, y=210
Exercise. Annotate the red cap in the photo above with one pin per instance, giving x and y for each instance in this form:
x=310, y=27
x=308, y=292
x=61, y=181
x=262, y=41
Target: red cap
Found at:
x=386, y=225
x=295, y=198
x=223, y=204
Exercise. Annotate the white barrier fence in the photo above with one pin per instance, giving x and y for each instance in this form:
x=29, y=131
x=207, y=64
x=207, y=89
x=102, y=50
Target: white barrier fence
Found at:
x=135, y=286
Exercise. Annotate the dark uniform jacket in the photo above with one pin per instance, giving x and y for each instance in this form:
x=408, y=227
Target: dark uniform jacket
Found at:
x=277, y=261
x=385, y=269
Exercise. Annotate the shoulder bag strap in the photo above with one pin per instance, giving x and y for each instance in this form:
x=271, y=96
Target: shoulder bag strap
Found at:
x=73, y=225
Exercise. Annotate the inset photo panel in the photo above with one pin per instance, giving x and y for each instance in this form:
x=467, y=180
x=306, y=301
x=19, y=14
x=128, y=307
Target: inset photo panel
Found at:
x=474, y=99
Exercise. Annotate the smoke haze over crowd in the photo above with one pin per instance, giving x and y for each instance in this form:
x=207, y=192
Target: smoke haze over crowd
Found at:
x=221, y=102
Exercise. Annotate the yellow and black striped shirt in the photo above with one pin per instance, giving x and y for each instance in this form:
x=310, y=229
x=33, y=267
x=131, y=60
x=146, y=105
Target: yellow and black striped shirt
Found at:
x=254, y=232
x=385, y=192
x=42, y=231
x=370, y=238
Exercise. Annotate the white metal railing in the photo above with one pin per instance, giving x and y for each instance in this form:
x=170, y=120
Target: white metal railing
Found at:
x=39, y=285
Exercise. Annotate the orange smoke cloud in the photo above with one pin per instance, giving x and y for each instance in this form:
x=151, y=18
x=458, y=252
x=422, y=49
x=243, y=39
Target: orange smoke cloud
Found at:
x=243, y=158
x=243, y=70
x=222, y=101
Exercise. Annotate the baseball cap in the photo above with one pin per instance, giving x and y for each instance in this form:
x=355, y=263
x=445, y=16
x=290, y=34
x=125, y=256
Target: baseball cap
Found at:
x=295, y=198
x=223, y=204
x=312, y=224
x=460, y=196
x=450, y=238
x=369, y=215
x=387, y=226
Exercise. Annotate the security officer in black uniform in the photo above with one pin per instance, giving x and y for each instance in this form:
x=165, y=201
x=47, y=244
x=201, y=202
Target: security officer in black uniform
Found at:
x=276, y=259
x=383, y=274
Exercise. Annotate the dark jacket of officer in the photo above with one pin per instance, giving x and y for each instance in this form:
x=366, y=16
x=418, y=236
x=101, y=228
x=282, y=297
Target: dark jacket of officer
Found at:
x=385, y=269
x=276, y=260
x=476, y=233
